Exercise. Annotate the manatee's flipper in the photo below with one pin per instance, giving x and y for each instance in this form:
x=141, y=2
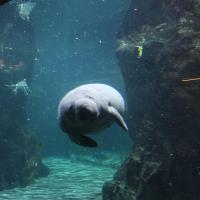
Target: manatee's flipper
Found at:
x=83, y=140
x=118, y=118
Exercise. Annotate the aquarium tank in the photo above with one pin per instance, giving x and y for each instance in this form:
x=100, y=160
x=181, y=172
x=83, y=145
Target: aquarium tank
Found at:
x=99, y=99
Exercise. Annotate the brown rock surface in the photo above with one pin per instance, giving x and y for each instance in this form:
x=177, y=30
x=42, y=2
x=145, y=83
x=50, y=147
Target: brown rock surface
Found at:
x=164, y=109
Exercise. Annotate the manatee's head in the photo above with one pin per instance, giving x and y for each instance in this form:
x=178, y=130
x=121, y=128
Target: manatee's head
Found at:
x=86, y=110
x=79, y=112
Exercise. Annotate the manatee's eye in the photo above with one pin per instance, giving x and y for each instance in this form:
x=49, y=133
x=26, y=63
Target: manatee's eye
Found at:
x=84, y=114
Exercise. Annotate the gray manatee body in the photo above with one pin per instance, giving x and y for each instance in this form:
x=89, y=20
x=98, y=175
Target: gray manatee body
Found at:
x=88, y=109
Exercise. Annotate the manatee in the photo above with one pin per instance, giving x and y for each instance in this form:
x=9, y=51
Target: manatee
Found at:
x=88, y=109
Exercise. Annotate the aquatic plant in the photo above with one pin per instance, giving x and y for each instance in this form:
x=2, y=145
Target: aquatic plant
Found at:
x=25, y=9
x=19, y=87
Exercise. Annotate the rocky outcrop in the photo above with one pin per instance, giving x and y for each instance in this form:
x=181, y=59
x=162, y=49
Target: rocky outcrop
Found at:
x=20, y=161
x=159, y=56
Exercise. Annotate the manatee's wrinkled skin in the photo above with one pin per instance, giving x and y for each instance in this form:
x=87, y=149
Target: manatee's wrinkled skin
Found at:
x=88, y=109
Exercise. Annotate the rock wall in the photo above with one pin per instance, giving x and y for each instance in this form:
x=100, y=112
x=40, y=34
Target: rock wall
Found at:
x=159, y=56
x=20, y=161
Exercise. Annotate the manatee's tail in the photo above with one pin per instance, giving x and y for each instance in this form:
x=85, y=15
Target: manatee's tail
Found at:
x=83, y=140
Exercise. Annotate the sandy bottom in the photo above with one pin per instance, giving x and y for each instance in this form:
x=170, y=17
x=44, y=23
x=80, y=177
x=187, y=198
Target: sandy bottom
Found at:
x=77, y=178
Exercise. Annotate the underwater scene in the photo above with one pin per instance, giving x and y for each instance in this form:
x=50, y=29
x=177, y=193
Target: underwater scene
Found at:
x=99, y=99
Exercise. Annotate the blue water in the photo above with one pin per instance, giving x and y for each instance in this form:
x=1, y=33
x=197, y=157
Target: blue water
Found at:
x=76, y=43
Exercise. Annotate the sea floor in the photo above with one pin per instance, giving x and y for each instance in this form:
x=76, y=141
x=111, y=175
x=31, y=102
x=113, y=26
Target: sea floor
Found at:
x=74, y=178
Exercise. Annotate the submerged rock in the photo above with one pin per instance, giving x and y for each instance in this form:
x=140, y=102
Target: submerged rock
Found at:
x=163, y=96
x=20, y=161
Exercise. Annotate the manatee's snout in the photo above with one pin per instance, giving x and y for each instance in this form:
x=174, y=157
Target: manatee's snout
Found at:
x=86, y=110
x=85, y=114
